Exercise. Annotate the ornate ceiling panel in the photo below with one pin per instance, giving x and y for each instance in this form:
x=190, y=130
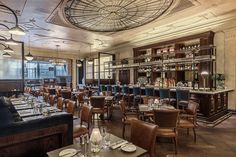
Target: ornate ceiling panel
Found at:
x=114, y=15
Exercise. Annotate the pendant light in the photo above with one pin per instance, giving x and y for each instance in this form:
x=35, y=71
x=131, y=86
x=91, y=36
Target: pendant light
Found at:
x=6, y=55
x=16, y=29
x=29, y=56
x=57, y=61
x=90, y=60
x=8, y=49
x=11, y=41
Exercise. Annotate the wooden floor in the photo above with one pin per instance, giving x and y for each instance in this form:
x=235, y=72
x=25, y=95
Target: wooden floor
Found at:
x=219, y=141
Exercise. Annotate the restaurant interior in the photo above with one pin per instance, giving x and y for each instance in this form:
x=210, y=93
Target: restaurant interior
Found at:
x=117, y=78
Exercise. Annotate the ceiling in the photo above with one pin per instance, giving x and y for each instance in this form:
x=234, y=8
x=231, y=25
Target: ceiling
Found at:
x=45, y=22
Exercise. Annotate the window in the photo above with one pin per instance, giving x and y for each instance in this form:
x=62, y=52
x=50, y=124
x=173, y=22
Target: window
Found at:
x=104, y=71
x=62, y=70
x=46, y=70
x=89, y=71
x=10, y=68
x=31, y=70
x=43, y=69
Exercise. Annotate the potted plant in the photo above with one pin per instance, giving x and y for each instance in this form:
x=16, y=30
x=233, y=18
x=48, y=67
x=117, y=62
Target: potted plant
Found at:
x=220, y=80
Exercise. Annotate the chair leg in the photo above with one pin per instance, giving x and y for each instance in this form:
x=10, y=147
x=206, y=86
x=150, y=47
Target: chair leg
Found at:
x=194, y=133
x=175, y=140
x=123, y=131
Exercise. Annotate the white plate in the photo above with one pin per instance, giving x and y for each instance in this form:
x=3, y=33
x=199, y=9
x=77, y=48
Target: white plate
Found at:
x=129, y=148
x=68, y=152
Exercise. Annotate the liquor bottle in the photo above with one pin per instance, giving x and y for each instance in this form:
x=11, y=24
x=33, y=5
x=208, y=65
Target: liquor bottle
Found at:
x=196, y=81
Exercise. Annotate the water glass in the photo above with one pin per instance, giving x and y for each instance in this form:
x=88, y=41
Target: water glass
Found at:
x=108, y=139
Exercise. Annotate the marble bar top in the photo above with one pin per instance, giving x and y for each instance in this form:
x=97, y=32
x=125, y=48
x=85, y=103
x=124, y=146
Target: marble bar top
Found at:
x=200, y=91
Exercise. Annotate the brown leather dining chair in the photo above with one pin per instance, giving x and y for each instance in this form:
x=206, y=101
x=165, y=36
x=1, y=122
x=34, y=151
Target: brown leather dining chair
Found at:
x=144, y=135
x=127, y=117
x=52, y=99
x=188, y=118
x=71, y=107
x=85, y=117
x=80, y=98
x=60, y=102
x=98, y=104
x=46, y=97
x=166, y=121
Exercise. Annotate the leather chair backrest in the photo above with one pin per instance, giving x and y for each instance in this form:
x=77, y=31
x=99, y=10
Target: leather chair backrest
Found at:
x=97, y=101
x=71, y=107
x=86, y=115
x=60, y=102
x=46, y=97
x=192, y=108
x=66, y=94
x=166, y=118
x=122, y=106
x=80, y=97
x=143, y=135
x=52, y=100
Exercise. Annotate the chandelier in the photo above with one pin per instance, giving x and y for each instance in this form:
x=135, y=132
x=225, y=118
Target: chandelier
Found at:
x=114, y=15
x=57, y=61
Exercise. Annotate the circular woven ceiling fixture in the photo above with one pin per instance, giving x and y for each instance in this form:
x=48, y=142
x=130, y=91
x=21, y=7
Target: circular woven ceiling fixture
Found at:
x=114, y=15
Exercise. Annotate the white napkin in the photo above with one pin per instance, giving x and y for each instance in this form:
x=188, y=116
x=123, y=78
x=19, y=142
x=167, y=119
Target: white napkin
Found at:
x=118, y=144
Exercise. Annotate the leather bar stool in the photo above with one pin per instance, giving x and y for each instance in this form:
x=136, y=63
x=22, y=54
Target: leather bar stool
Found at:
x=109, y=90
x=165, y=96
x=125, y=93
x=149, y=91
x=137, y=96
x=182, y=96
x=116, y=92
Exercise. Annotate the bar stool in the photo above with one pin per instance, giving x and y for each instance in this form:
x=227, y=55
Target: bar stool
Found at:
x=149, y=91
x=137, y=96
x=109, y=90
x=116, y=92
x=165, y=96
x=182, y=96
x=102, y=88
x=125, y=93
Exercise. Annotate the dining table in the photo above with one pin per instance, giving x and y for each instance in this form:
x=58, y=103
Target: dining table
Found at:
x=104, y=152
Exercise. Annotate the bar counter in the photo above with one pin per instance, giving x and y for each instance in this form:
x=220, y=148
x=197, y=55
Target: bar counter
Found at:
x=212, y=104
